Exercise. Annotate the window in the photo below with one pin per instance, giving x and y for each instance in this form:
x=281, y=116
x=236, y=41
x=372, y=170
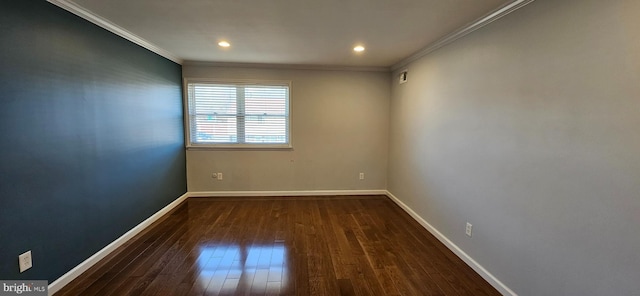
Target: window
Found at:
x=238, y=114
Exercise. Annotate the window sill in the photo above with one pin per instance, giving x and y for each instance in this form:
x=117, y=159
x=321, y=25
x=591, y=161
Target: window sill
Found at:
x=240, y=147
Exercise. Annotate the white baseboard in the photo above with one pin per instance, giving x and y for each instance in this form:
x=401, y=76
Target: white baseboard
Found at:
x=502, y=288
x=95, y=258
x=86, y=264
x=285, y=193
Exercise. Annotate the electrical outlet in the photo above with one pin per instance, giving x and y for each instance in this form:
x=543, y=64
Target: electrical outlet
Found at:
x=25, y=261
x=217, y=176
x=469, y=229
x=361, y=176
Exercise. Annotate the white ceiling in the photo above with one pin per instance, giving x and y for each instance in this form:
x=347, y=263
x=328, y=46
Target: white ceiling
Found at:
x=292, y=32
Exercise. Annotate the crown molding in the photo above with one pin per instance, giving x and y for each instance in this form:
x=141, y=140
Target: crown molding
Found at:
x=86, y=14
x=286, y=66
x=479, y=23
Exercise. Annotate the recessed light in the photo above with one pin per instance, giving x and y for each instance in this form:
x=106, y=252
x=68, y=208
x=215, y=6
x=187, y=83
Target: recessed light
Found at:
x=224, y=44
x=358, y=48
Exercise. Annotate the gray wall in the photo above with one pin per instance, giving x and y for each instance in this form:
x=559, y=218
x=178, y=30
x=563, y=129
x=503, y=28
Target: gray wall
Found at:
x=530, y=129
x=339, y=123
x=91, y=138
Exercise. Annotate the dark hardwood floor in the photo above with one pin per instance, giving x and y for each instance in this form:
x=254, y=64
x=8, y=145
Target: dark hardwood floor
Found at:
x=282, y=246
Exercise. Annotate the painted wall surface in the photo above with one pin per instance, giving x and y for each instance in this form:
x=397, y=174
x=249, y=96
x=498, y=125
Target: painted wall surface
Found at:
x=339, y=128
x=91, y=138
x=530, y=129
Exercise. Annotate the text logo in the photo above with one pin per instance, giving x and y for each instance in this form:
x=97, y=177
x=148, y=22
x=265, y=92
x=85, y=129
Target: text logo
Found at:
x=24, y=288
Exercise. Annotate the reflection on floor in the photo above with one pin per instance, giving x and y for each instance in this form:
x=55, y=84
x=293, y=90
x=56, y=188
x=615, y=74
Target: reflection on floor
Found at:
x=224, y=267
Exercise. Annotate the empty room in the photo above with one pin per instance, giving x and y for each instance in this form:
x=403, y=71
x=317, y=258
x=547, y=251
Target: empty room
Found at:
x=286, y=147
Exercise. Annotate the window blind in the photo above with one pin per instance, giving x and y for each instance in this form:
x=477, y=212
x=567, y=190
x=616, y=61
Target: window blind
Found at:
x=238, y=114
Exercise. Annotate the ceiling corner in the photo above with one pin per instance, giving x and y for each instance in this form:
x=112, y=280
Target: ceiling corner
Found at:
x=479, y=23
x=88, y=15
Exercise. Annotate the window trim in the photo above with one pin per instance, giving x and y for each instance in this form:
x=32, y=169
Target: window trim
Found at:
x=241, y=146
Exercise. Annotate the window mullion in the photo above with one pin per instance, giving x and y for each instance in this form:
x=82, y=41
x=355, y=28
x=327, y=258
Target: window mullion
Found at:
x=240, y=122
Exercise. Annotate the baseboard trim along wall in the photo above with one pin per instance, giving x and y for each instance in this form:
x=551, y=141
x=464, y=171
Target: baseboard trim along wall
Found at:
x=86, y=264
x=65, y=279
x=502, y=288
x=285, y=193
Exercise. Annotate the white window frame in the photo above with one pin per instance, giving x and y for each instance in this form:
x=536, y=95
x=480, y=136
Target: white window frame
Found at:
x=256, y=146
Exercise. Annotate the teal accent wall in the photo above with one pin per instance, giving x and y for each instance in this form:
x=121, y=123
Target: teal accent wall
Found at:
x=91, y=137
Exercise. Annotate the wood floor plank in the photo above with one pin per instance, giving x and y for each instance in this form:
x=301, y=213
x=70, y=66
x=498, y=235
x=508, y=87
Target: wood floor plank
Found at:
x=341, y=245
